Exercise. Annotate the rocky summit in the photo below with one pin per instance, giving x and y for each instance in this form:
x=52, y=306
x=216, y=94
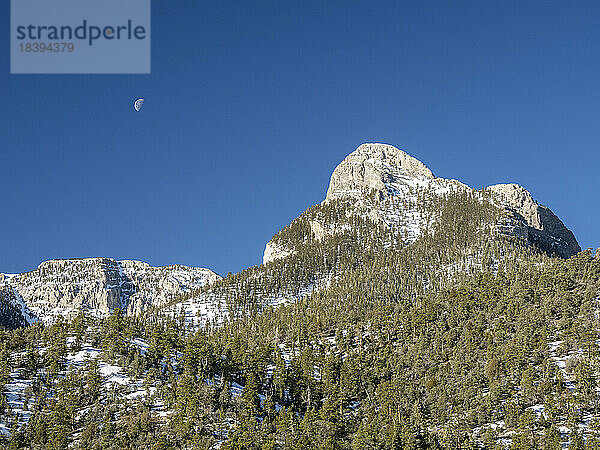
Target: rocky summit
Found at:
x=374, y=166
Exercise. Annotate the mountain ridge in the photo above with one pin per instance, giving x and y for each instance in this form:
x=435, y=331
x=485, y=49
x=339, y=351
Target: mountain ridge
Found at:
x=99, y=285
x=395, y=197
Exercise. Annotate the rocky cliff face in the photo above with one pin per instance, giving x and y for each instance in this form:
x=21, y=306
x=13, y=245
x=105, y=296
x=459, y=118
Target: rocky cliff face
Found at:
x=393, y=188
x=63, y=287
x=542, y=227
x=273, y=252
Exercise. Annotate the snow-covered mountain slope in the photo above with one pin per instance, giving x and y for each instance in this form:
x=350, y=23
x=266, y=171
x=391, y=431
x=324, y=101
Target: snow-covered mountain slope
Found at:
x=216, y=306
x=98, y=285
x=79, y=358
x=394, y=189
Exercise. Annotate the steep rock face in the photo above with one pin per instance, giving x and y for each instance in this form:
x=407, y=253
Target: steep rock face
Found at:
x=62, y=287
x=392, y=188
x=155, y=286
x=543, y=228
x=13, y=312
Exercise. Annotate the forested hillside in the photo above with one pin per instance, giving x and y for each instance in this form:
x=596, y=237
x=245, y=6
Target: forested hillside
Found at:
x=405, y=348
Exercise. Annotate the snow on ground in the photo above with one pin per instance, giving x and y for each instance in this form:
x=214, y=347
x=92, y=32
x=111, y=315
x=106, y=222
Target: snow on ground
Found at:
x=562, y=362
x=17, y=400
x=200, y=310
x=112, y=376
x=141, y=345
x=79, y=358
x=211, y=308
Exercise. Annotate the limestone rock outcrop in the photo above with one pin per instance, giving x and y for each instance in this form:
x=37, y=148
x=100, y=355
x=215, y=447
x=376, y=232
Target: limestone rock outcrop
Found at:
x=373, y=166
x=63, y=287
x=273, y=252
x=543, y=228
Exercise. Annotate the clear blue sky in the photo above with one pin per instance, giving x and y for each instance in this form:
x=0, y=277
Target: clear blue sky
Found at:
x=251, y=105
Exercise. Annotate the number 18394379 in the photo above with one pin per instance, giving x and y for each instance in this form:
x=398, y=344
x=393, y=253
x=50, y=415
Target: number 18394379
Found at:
x=50, y=47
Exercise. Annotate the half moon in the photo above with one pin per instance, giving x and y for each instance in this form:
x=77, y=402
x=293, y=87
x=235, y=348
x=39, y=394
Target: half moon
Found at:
x=138, y=104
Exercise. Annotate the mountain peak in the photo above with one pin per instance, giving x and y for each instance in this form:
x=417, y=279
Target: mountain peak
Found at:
x=406, y=192
x=370, y=166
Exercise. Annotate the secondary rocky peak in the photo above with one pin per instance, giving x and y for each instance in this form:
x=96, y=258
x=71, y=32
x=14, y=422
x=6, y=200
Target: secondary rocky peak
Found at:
x=543, y=227
x=519, y=198
x=371, y=166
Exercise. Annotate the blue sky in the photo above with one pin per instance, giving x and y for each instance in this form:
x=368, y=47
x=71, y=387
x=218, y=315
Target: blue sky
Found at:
x=251, y=105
